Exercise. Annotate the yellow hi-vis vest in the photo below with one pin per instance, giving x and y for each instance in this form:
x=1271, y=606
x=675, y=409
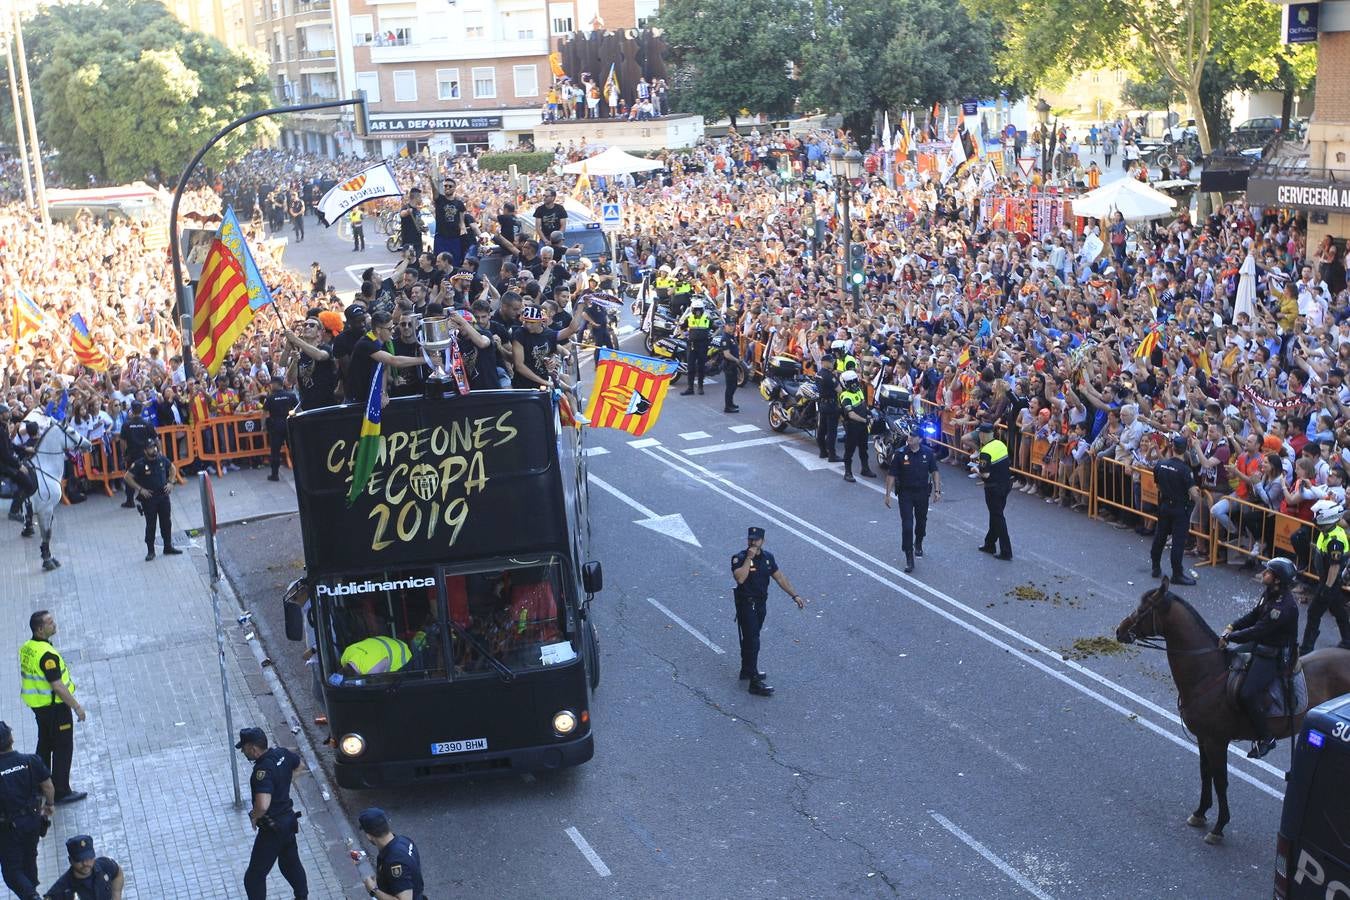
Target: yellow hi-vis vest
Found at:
x=377, y=655
x=34, y=687
x=995, y=450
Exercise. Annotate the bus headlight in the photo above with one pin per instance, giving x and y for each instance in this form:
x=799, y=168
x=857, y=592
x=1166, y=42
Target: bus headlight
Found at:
x=352, y=745
x=564, y=722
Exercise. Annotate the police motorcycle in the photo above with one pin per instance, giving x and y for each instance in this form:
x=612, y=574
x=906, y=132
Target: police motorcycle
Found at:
x=675, y=347
x=791, y=396
x=893, y=421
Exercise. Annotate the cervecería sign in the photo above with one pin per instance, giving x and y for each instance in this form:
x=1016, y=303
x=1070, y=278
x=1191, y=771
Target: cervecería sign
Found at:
x=433, y=122
x=1333, y=196
x=452, y=479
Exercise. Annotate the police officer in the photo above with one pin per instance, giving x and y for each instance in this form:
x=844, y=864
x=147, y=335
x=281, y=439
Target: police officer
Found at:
x=273, y=815
x=731, y=367
x=844, y=360
x=90, y=876
x=827, y=408
x=853, y=407
x=1272, y=630
x=1329, y=551
x=15, y=467
x=995, y=472
x=152, y=477
x=356, y=219
x=752, y=568
x=136, y=433
x=912, y=474
x=1177, y=494
x=26, y=795
x=398, y=865
x=278, y=405
x=48, y=690
x=699, y=324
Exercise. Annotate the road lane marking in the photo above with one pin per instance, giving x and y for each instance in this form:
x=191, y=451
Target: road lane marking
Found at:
x=596, y=451
x=687, y=627
x=672, y=525
x=743, y=429
x=587, y=851
x=643, y=443
x=735, y=445
x=854, y=558
x=695, y=435
x=1022, y=881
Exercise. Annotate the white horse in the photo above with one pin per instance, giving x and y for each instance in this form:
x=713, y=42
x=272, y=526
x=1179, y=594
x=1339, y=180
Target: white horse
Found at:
x=54, y=440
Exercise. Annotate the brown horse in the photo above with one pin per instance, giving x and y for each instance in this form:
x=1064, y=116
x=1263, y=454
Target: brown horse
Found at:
x=1199, y=669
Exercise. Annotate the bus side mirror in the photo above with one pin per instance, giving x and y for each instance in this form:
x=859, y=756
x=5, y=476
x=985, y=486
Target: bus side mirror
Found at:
x=592, y=577
x=295, y=621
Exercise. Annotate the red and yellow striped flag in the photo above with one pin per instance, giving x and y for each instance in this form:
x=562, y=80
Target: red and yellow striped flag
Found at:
x=83, y=345
x=1145, y=348
x=629, y=391
x=222, y=306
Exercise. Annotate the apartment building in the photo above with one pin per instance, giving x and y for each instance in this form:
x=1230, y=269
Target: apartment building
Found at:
x=464, y=74
x=226, y=20
x=299, y=38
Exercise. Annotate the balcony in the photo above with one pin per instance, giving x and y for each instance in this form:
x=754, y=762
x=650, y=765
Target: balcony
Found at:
x=318, y=60
x=314, y=9
x=451, y=50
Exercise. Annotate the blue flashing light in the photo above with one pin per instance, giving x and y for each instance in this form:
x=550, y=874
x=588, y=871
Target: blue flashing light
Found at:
x=1315, y=738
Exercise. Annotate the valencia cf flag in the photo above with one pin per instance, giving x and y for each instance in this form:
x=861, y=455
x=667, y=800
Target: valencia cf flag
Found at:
x=628, y=391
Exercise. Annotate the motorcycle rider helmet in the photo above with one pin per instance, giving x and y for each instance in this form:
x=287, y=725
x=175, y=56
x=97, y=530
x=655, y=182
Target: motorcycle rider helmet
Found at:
x=1327, y=512
x=1284, y=569
x=839, y=346
x=696, y=303
x=848, y=378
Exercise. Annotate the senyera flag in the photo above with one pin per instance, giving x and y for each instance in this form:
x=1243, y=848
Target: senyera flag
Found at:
x=229, y=291
x=83, y=345
x=375, y=182
x=628, y=391
x=28, y=317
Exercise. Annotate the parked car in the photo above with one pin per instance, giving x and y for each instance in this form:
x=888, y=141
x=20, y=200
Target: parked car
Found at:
x=1255, y=132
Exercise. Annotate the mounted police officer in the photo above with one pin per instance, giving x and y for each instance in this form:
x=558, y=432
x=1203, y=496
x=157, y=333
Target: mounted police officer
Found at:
x=90, y=876
x=1329, y=551
x=152, y=477
x=853, y=409
x=26, y=804
x=752, y=568
x=398, y=865
x=994, y=468
x=1272, y=631
x=16, y=467
x=699, y=324
x=827, y=407
x=136, y=433
x=912, y=473
x=1177, y=494
x=273, y=815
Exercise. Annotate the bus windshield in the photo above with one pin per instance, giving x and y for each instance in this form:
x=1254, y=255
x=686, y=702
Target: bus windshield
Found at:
x=505, y=616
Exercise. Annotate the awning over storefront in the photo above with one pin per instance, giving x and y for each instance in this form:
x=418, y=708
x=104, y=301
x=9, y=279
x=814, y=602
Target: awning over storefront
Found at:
x=1305, y=189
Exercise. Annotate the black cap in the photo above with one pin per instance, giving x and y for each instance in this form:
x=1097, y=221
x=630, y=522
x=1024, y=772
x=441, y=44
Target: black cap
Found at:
x=373, y=820
x=756, y=533
x=1179, y=442
x=80, y=848
x=250, y=736
x=356, y=312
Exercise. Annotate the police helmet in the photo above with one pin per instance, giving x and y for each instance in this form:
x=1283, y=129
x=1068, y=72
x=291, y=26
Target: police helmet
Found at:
x=1327, y=512
x=696, y=303
x=848, y=377
x=839, y=346
x=356, y=313
x=1284, y=569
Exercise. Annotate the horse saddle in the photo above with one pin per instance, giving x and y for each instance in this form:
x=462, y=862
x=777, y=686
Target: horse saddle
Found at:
x=1275, y=697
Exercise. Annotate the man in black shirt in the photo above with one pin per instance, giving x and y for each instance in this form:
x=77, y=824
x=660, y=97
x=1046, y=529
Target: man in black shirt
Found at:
x=357, y=326
x=533, y=345
x=449, y=211
x=501, y=323
x=137, y=432
x=752, y=568
x=407, y=382
x=1177, y=494
x=273, y=815
x=374, y=347
x=278, y=404
x=550, y=216
x=596, y=317
x=410, y=221
x=152, y=477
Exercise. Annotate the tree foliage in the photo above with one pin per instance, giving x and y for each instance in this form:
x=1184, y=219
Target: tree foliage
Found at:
x=125, y=91
x=733, y=55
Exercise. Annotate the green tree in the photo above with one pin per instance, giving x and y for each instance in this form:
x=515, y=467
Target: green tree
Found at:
x=124, y=91
x=732, y=55
x=1149, y=92
x=871, y=55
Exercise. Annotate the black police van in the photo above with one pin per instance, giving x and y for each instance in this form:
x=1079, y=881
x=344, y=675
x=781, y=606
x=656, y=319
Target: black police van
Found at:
x=1312, y=857
x=449, y=603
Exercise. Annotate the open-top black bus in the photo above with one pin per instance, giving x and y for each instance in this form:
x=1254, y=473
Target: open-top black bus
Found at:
x=1312, y=857
x=449, y=602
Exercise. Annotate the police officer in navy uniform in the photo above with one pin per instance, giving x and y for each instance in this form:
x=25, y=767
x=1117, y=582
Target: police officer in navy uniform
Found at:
x=278, y=405
x=752, y=568
x=995, y=473
x=827, y=408
x=14, y=465
x=273, y=814
x=912, y=474
x=398, y=865
x=1177, y=494
x=731, y=366
x=90, y=876
x=136, y=433
x=27, y=799
x=152, y=477
x=1272, y=631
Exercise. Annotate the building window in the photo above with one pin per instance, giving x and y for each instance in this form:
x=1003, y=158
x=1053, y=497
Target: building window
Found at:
x=645, y=11
x=370, y=83
x=524, y=34
x=395, y=33
x=447, y=84
x=405, y=86
x=363, y=31
x=484, y=83
x=527, y=80
x=473, y=26
x=560, y=18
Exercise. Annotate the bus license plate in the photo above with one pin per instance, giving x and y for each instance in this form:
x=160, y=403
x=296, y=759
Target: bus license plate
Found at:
x=464, y=746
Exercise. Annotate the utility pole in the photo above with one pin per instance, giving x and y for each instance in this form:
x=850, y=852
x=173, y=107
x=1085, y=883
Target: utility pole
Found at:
x=18, y=118
x=32, y=123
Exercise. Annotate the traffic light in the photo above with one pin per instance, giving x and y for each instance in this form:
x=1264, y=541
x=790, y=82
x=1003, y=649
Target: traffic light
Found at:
x=857, y=261
x=362, y=125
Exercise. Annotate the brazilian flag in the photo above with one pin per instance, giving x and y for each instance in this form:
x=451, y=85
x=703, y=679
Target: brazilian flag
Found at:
x=368, y=444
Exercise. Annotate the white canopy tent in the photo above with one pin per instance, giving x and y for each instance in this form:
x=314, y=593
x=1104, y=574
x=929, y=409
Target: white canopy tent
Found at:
x=612, y=162
x=1131, y=198
x=1246, y=291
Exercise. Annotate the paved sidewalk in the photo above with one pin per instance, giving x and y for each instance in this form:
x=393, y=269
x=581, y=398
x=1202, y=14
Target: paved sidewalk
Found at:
x=153, y=753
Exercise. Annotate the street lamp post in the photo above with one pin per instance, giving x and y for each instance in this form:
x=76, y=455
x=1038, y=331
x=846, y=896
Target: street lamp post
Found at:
x=182, y=291
x=1043, y=116
x=845, y=167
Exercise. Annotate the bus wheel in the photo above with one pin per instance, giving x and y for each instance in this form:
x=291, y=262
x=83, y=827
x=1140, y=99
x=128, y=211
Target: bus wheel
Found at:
x=592, y=651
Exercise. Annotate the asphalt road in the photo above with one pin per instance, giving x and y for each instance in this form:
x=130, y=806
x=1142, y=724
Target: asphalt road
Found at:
x=927, y=738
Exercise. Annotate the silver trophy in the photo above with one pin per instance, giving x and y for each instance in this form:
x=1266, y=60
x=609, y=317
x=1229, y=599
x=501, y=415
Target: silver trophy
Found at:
x=435, y=335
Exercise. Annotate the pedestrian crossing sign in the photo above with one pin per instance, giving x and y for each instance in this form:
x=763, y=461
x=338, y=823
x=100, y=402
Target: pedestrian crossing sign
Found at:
x=611, y=214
